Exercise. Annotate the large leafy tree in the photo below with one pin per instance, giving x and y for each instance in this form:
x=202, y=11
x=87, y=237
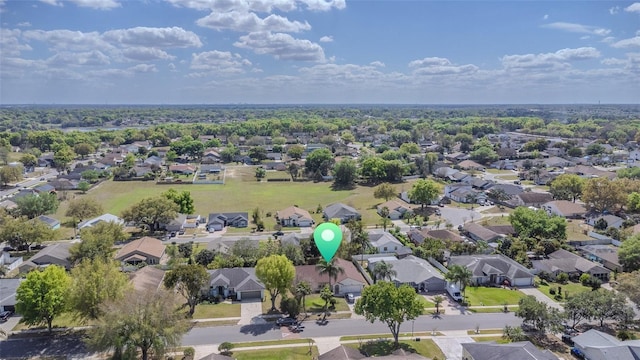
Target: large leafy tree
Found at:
x=83, y=208
x=276, y=273
x=183, y=199
x=95, y=282
x=602, y=194
x=97, y=242
x=63, y=157
x=188, y=280
x=629, y=254
x=344, y=173
x=10, y=174
x=537, y=224
x=389, y=304
x=567, y=187
x=29, y=160
x=295, y=151
x=424, y=192
x=18, y=232
x=374, y=169
x=147, y=322
x=33, y=206
x=43, y=296
x=330, y=268
x=538, y=314
x=629, y=284
x=319, y=161
x=152, y=212
x=384, y=191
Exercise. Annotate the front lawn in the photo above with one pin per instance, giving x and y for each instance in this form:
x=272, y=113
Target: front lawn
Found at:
x=314, y=303
x=425, y=347
x=570, y=287
x=214, y=311
x=488, y=296
x=65, y=320
x=288, y=353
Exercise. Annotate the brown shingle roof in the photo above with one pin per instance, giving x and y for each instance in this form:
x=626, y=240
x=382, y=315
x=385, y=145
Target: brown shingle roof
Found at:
x=293, y=210
x=147, y=279
x=310, y=273
x=145, y=245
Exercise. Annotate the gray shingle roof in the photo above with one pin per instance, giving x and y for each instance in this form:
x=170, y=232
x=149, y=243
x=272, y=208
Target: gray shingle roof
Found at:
x=523, y=350
x=241, y=279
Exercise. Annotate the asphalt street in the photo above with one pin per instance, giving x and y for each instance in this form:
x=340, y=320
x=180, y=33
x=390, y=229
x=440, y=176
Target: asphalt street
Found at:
x=216, y=335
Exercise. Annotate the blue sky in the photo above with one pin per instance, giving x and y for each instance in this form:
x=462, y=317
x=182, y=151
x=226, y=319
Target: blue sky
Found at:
x=318, y=51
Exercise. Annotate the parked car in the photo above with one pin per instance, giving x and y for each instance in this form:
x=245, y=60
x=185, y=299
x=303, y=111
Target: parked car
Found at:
x=181, y=232
x=5, y=315
x=278, y=233
x=349, y=297
x=286, y=321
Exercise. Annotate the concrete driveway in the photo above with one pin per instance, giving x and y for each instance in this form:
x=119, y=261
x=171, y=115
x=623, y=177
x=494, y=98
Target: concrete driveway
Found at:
x=251, y=312
x=540, y=297
x=458, y=216
x=451, y=346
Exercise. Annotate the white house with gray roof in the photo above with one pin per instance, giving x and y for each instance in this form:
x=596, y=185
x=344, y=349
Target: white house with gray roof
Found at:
x=414, y=271
x=494, y=269
x=596, y=345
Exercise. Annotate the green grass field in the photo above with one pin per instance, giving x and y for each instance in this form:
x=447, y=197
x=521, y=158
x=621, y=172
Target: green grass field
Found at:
x=570, y=287
x=485, y=296
x=240, y=193
x=288, y=353
x=212, y=311
x=425, y=347
x=65, y=320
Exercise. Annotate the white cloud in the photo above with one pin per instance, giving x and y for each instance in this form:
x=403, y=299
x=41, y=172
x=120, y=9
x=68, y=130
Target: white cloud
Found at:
x=143, y=68
x=250, y=22
x=154, y=37
x=545, y=17
x=93, y=4
x=578, y=28
x=10, y=42
x=613, y=61
x=218, y=63
x=91, y=58
x=377, y=64
x=324, y=5
x=626, y=43
x=326, y=39
x=281, y=46
x=635, y=7
x=146, y=54
x=24, y=24
x=440, y=66
x=264, y=6
x=557, y=60
x=69, y=40
x=614, y=10
x=172, y=67
x=608, y=40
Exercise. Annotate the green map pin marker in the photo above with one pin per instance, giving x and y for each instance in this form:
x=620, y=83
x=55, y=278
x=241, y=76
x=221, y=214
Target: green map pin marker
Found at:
x=328, y=237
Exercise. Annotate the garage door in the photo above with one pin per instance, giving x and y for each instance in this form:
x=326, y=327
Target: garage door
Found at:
x=435, y=285
x=521, y=282
x=251, y=294
x=343, y=289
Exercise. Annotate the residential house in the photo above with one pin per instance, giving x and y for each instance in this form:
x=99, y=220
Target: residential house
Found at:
x=445, y=172
x=565, y=208
x=210, y=157
x=351, y=281
x=53, y=224
x=612, y=220
x=495, y=269
x=141, y=171
x=505, y=164
x=384, y=242
x=144, y=250
x=563, y=261
x=416, y=272
x=530, y=198
x=235, y=283
x=293, y=238
x=99, y=219
x=397, y=209
x=10, y=262
x=214, y=356
x=417, y=236
x=218, y=221
x=8, y=205
x=45, y=189
x=344, y=352
x=294, y=216
x=502, y=229
x=589, y=172
x=183, y=222
x=477, y=183
x=607, y=255
x=478, y=232
x=182, y=169
x=147, y=279
x=597, y=345
x=340, y=211
x=522, y=350
x=470, y=165
x=54, y=254
x=509, y=189
x=153, y=161
x=456, y=157
x=61, y=184
x=8, y=288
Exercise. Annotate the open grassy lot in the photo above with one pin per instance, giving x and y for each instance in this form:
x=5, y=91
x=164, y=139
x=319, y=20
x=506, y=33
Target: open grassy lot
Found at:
x=486, y=296
x=212, y=311
x=575, y=230
x=289, y=353
x=570, y=287
x=241, y=192
x=495, y=220
x=425, y=347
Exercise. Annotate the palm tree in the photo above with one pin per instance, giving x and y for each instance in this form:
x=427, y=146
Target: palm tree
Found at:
x=330, y=268
x=301, y=290
x=460, y=275
x=437, y=300
x=384, y=213
x=383, y=270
